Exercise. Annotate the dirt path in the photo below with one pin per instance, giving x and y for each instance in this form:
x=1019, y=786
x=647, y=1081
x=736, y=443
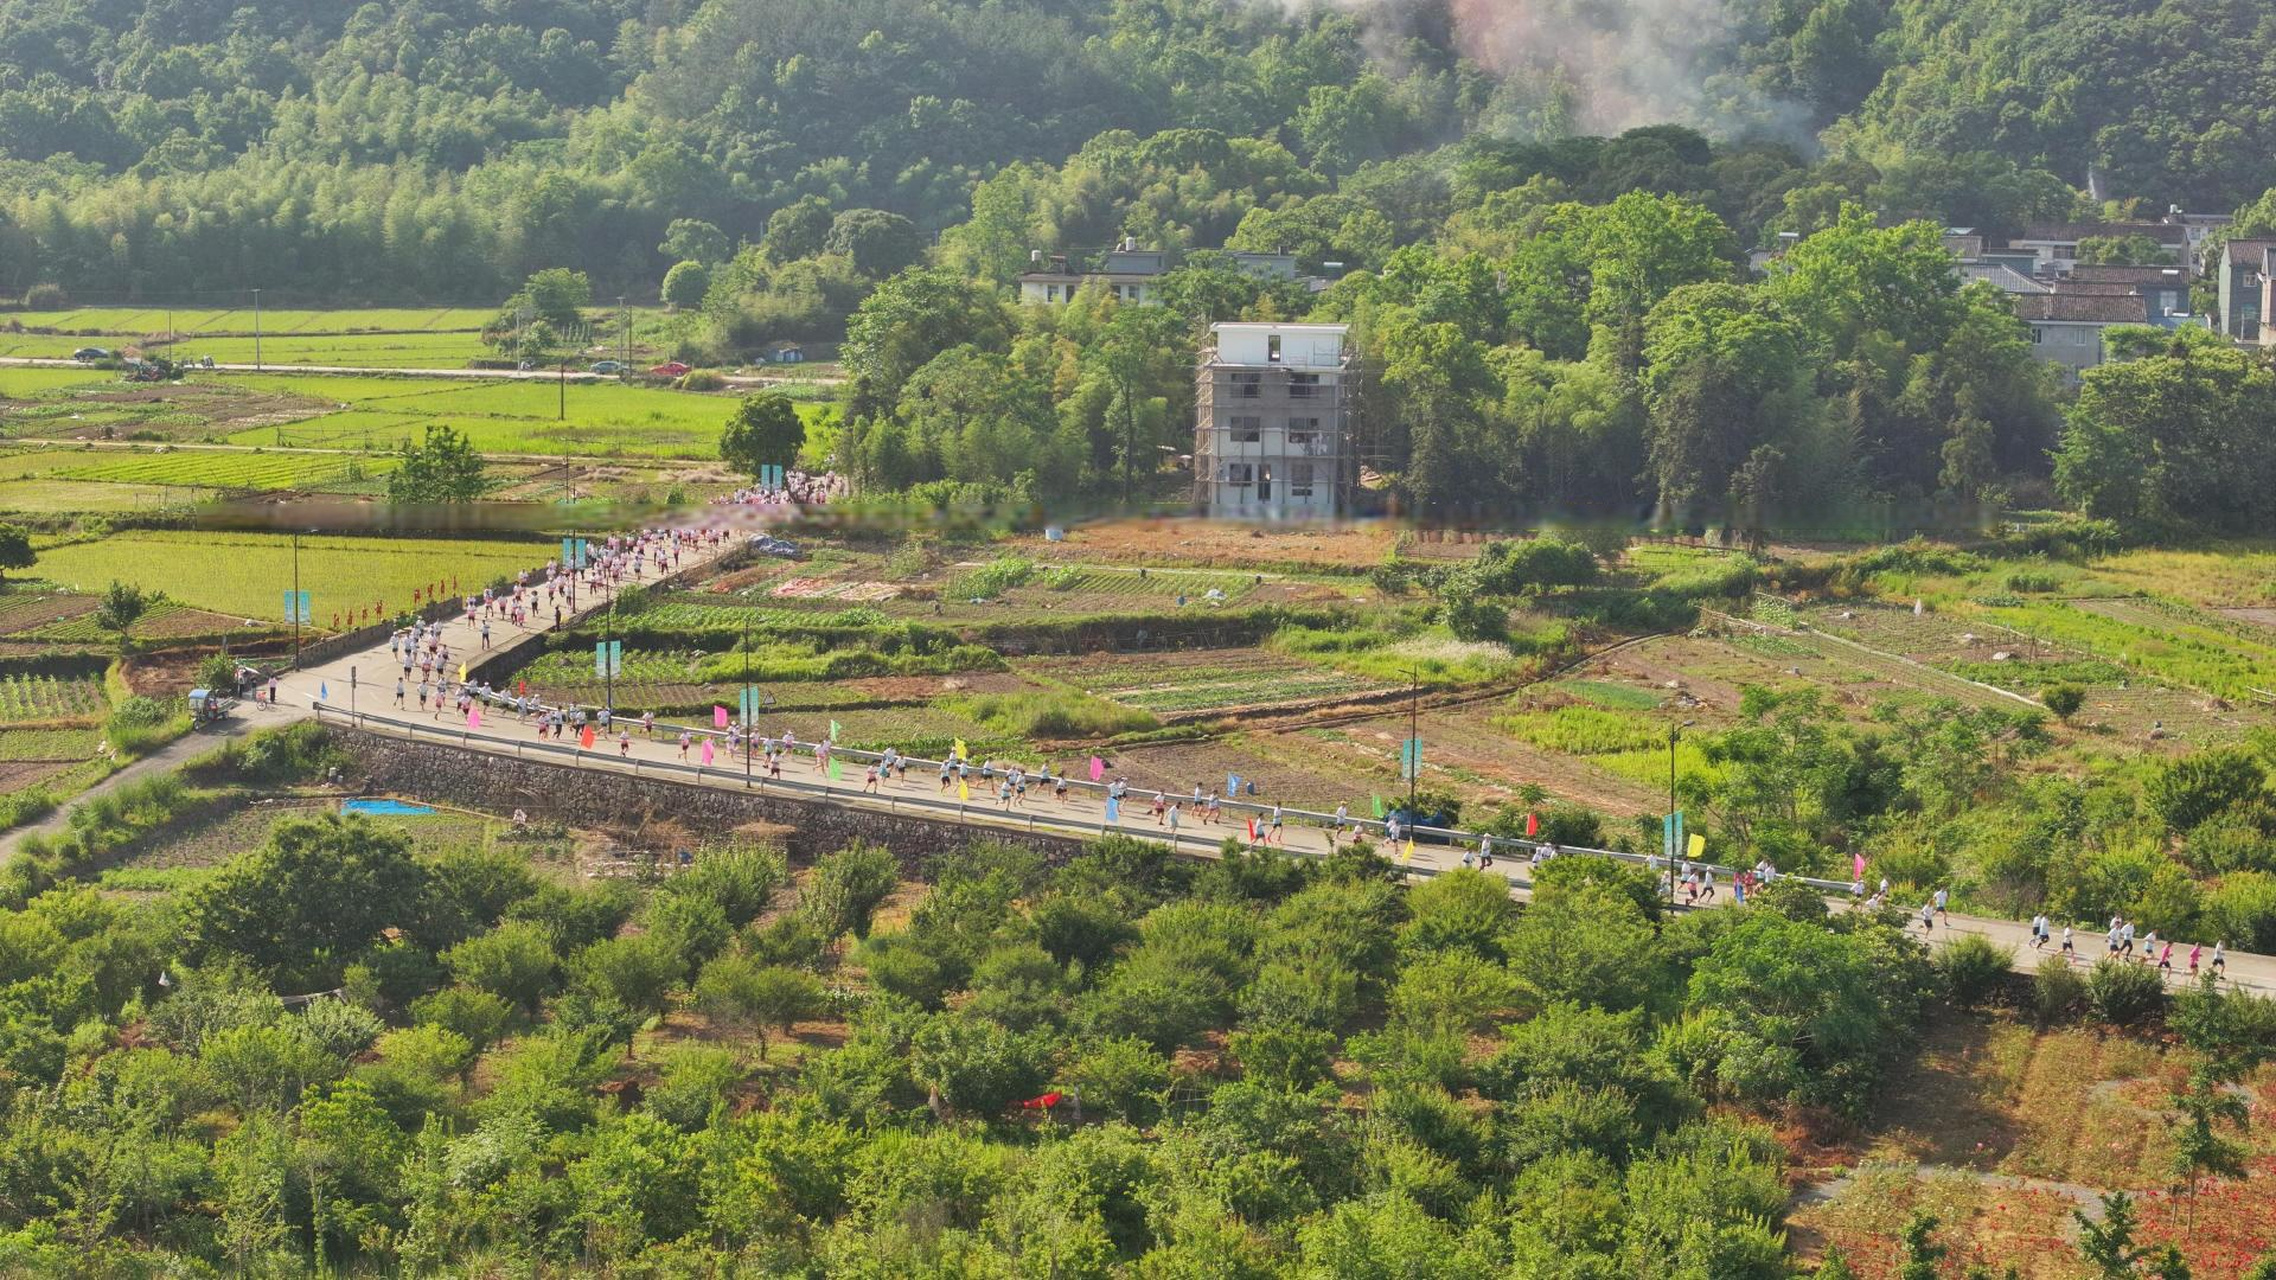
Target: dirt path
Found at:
x=2088, y=1199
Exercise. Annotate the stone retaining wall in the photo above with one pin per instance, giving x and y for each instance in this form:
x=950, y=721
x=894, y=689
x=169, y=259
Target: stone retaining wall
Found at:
x=605, y=798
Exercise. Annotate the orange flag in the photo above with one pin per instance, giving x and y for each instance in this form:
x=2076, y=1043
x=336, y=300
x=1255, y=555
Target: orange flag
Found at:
x=585, y=739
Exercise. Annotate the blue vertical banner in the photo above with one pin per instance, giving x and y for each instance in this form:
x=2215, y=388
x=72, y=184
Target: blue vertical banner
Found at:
x=1232, y=785
x=568, y=552
x=1671, y=832
x=1410, y=759
x=297, y=607
x=616, y=658
x=750, y=706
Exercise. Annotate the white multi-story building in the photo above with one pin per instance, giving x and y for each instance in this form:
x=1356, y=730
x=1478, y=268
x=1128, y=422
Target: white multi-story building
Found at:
x=1274, y=417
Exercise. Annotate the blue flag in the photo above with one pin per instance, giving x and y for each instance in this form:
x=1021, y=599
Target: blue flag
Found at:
x=1113, y=809
x=324, y=692
x=1232, y=785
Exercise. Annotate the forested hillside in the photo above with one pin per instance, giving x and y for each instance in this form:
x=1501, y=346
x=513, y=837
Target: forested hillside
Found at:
x=448, y=147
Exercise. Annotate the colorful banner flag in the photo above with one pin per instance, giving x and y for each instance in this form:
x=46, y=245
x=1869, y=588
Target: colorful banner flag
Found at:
x=1252, y=829
x=963, y=792
x=521, y=687
x=1532, y=824
x=835, y=731
x=1232, y=785
x=960, y=749
x=1697, y=846
x=1098, y=768
x=1857, y=865
x=718, y=717
x=462, y=673
x=324, y=691
x=585, y=738
x=837, y=769
x=1378, y=805
x=1410, y=758
x=749, y=700
x=1113, y=809
x=1409, y=855
x=474, y=716
x=707, y=751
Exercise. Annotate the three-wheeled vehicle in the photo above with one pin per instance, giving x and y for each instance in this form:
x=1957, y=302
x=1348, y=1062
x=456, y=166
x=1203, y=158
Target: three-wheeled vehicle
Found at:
x=209, y=706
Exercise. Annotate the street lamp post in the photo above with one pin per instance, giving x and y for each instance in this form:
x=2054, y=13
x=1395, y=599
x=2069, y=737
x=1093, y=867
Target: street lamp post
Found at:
x=747, y=708
x=1414, y=737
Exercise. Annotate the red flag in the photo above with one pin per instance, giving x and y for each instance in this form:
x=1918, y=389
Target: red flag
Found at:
x=1252, y=830
x=1042, y=1103
x=1533, y=824
x=521, y=686
x=585, y=739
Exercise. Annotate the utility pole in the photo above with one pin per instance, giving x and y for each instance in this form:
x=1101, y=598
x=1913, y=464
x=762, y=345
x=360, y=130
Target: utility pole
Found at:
x=295, y=600
x=561, y=414
x=1674, y=733
x=624, y=344
x=256, y=331
x=1414, y=738
x=608, y=664
x=749, y=711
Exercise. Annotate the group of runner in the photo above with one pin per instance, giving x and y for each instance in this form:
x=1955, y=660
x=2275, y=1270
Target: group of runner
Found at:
x=799, y=489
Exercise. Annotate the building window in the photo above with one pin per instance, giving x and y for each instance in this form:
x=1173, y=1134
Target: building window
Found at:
x=1272, y=348
x=2038, y=335
x=1300, y=480
x=1264, y=484
x=1302, y=386
x=1247, y=428
x=1240, y=473
x=1303, y=433
x=1248, y=386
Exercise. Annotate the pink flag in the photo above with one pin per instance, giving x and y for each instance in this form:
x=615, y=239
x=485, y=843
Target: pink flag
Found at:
x=474, y=715
x=1857, y=864
x=718, y=717
x=707, y=751
x=1098, y=768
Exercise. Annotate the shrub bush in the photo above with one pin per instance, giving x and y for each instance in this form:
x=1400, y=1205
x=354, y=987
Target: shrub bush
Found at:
x=2056, y=989
x=46, y=297
x=702, y=380
x=2063, y=699
x=1972, y=966
x=2124, y=994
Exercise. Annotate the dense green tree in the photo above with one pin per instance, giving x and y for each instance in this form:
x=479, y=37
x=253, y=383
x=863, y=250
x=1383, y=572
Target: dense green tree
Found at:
x=316, y=892
x=15, y=549
x=766, y=430
x=443, y=467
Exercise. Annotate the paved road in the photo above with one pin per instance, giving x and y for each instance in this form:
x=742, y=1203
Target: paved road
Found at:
x=500, y=733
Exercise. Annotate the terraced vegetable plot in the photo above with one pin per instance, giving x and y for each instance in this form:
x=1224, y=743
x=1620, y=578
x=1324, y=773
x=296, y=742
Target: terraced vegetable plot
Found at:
x=232, y=470
x=25, y=699
x=1209, y=680
x=727, y=620
x=20, y=613
x=1113, y=581
x=47, y=746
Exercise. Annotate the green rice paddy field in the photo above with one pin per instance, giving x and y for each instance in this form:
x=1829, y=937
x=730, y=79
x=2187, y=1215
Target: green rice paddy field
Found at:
x=603, y=419
x=246, y=574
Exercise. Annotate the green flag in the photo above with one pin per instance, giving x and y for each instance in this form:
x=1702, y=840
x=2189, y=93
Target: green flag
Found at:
x=835, y=731
x=1378, y=805
x=837, y=769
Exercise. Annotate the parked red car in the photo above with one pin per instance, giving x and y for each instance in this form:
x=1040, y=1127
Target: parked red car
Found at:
x=672, y=369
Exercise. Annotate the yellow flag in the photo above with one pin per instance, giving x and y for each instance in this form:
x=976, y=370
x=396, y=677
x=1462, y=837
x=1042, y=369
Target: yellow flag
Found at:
x=963, y=792
x=960, y=748
x=1697, y=845
x=462, y=673
x=1410, y=853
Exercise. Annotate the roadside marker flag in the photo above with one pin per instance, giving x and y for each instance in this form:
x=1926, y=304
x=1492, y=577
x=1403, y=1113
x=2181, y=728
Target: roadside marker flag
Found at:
x=462, y=673
x=835, y=731
x=585, y=739
x=1378, y=805
x=718, y=717
x=1252, y=829
x=1532, y=824
x=963, y=792
x=1098, y=768
x=837, y=769
x=324, y=691
x=1697, y=846
x=1113, y=809
x=960, y=754
x=1232, y=785
x=707, y=751
x=1857, y=865
x=474, y=716
x=1409, y=855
